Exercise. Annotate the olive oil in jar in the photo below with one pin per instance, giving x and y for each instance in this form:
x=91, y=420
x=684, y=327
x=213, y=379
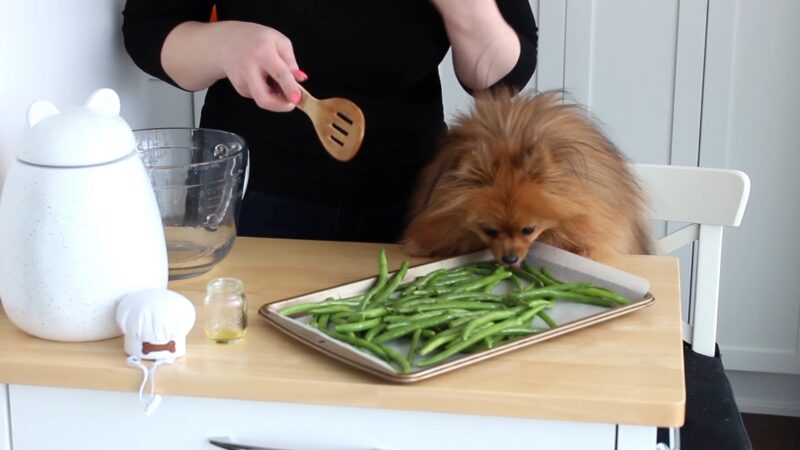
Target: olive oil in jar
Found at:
x=225, y=310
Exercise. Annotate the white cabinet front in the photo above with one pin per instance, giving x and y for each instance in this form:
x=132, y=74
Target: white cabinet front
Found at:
x=44, y=417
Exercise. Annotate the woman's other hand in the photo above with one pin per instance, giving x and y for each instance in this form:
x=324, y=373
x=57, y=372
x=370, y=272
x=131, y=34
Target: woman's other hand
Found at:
x=197, y=54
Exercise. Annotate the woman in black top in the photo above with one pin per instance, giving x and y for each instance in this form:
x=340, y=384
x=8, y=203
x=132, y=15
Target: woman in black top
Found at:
x=382, y=55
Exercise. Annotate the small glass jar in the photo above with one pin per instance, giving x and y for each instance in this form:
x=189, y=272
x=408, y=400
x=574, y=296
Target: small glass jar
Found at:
x=225, y=310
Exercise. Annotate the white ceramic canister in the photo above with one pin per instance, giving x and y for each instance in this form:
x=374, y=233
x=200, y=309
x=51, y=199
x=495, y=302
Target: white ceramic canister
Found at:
x=79, y=223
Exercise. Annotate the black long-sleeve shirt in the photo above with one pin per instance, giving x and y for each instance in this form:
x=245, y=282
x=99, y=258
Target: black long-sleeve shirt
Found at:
x=382, y=55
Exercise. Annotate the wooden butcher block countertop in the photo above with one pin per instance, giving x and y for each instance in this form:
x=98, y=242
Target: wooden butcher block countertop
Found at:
x=627, y=370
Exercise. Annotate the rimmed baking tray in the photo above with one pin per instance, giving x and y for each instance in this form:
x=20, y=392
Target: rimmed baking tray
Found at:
x=570, y=316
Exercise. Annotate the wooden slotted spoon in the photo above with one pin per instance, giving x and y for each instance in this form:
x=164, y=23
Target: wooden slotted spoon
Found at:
x=339, y=123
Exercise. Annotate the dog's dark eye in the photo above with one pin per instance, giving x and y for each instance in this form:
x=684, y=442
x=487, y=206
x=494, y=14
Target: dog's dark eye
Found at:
x=491, y=232
x=528, y=230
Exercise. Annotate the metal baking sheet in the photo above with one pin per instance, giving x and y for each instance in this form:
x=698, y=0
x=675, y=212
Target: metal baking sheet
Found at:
x=570, y=316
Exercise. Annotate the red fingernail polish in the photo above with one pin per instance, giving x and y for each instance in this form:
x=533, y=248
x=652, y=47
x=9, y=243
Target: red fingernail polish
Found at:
x=295, y=97
x=300, y=74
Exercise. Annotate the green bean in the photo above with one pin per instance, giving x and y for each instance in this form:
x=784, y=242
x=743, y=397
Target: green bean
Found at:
x=391, y=318
x=360, y=343
x=428, y=333
x=533, y=309
x=481, y=267
x=546, y=290
x=422, y=282
x=402, y=299
x=518, y=331
x=488, y=317
x=399, y=306
x=340, y=318
x=410, y=284
x=581, y=298
x=446, y=274
x=414, y=344
x=308, y=307
x=529, y=277
x=526, y=266
x=508, y=335
x=331, y=309
x=438, y=341
x=372, y=332
x=397, y=358
x=499, y=274
x=459, y=345
x=444, y=282
x=383, y=274
x=322, y=321
x=603, y=293
x=413, y=318
x=445, y=337
x=562, y=295
x=543, y=270
x=477, y=296
x=469, y=305
x=407, y=318
x=391, y=286
x=417, y=293
x=490, y=287
x=371, y=313
x=547, y=319
x=358, y=326
x=515, y=281
x=466, y=318
x=410, y=328
x=480, y=296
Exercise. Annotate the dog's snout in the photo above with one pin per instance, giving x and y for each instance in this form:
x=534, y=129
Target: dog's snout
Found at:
x=510, y=258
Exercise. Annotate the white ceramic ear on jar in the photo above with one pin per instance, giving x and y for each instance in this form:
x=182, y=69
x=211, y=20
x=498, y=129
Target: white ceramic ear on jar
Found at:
x=104, y=101
x=41, y=110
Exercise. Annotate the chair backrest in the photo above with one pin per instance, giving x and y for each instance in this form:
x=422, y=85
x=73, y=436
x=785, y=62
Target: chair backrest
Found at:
x=708, y=199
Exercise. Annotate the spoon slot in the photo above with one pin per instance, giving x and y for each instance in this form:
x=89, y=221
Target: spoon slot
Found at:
x=345, y=118
x=340, y=129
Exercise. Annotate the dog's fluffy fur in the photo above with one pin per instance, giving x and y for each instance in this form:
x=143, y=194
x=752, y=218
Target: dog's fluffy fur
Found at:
x=520, y=168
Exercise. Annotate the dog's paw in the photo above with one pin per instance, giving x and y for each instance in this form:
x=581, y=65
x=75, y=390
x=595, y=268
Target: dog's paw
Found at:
x=413, y=248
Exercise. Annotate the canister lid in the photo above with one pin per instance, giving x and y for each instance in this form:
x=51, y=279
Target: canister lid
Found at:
x=86, y=135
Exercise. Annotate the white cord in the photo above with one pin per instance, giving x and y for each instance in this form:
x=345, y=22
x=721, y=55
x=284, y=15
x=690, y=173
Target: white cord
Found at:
x=149, y=374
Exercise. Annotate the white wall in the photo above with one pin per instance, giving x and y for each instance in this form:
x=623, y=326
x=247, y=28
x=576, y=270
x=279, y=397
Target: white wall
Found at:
x=62, y=51
x=751, y=108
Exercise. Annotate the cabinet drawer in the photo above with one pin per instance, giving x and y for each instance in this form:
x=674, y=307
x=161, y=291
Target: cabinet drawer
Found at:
x=5, y=435
x=44, y=417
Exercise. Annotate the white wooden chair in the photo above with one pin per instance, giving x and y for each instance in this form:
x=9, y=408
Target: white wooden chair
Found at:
x=708, y=200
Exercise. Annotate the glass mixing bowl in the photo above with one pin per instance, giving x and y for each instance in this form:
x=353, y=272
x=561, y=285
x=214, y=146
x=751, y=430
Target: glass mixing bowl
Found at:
x=199, y=177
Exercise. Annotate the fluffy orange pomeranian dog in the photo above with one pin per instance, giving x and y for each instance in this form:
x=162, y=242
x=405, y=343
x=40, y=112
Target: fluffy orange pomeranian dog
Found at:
x=524, y=168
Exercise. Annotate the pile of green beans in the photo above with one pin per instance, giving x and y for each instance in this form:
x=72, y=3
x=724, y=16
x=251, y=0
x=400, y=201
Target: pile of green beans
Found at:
x=447, y=311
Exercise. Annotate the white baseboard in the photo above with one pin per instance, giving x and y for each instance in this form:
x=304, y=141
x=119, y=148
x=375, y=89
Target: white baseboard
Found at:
x=766, y=393
x=756, y=406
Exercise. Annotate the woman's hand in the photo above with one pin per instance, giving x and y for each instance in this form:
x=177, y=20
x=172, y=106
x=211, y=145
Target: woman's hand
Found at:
x=249, y=54
x=485, y=47
x=197, y=54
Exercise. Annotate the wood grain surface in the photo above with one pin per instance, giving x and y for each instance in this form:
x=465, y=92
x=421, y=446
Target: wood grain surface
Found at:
x=628, y=370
